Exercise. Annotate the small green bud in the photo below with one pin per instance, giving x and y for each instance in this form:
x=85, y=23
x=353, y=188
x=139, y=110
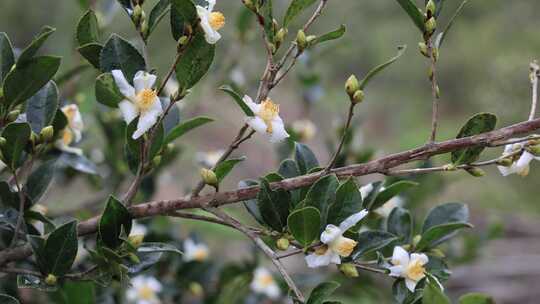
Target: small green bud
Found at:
x=301, y=40
x=476, y=172
x=182, y=41
x=535, y=150
x=416, y=239
x=437, y=253
x=533, y=142
x=437, y=92
x=431, y=8
x=275, y=26
x=505, y=162
x=156, y=161
x=12, y=116
x=51, y=280
x=34, y=138
x=349, y=270
x=2, y=141
x=134, y=258
x=209, y=177
x=137, y=14
x=196, y=289
x=310, y=38
x=430, y=25
x=352, y=85
x=46, y=134
x=423, y=49
x=144, y=28
x=358, y=96
x=136, y=240
x=281, y=34
x=283, y=244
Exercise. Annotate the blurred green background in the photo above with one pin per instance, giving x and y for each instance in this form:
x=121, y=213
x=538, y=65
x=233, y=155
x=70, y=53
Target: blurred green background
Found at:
x=483, y=67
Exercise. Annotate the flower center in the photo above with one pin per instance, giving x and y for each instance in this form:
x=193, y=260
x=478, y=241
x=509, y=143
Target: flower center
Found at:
x=415, y=271
x=146, y=293
x=216, y=20
x=145, y=99
x=266, y=280
x=269, y=110
x=200, y=255
x=321, y=250
x=343, y=246
x=67, y=137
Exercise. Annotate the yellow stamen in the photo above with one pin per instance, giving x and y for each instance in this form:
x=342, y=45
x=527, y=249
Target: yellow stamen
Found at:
x=266, y=280
x=67, y=137
x=217, y=20
x=200, y=255
x=321, y=250
x=415, y=271
x=145, y=99
x=524, y=172
x=269, y=110
x=344, y=246
x=146, y=293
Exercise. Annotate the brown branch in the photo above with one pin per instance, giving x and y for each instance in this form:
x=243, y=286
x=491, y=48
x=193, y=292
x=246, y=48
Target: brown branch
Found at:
x=535, y=73
x=434, y=90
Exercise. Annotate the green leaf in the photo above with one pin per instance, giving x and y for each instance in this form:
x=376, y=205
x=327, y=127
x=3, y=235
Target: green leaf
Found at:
x=183, y=12
x=60, y=249
x=158, y=247
x=390, y=192
x=78, y=162
x=120, y=54
x=8, y=197
x=59, y=122
x=433, y=295
x=295, y=8
x=28, y=53
x=72, y=292
x=305, y=158
x=226, y=166
x=7, y=59
x=39, y=180
x=251, y=205
x=442, y=222
x=400, y=223
x=87, y=29
x=322, y=292
x=195, y=62
x=91, y=52
x=371, y=240
x=478, y=124
x=333, y=35
x=26, y=79
x=107, y=92
x=238, y=99
x=416, y=15
x=305, y=224
x=266, y=11
x=114, y=218
x=442, y=35
x=41, y=108
x=156, y=15
x=17, y=136
x=476, y=298
x=185, y=127
x=34, y=282
x=376, y=70
x=273, y=205
x=322, y=194
x=348, y=202
x=7, y=299
x=288, y=169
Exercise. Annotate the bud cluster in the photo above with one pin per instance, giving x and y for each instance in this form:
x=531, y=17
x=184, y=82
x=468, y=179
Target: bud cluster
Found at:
x=352, y=87
x=139, y=18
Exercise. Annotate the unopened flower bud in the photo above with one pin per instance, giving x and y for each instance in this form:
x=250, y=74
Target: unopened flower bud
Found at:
x=423, y=49
x=352, y=85
x=534, y=150
x=51, y=280
x=505, y=162
x=437, y=92
x=416, y=239
x=358, y=96
x=136, y=240
x=249, y=4
x=281, y=34
x=310, y=38
x=137, y=14
x=476, y=172
x=12, y=116
x=301, y=40
x=144, y=28
x=431, y=8
x=349, y=270
x=209, y=177
x=46, y=134
x=533, y=142
x=282, y=244
x=156, y=161
x=182, y=41
x=196, y=289
x=437, y=253
x=134, y=258
x=430, y=25
x=34, y=138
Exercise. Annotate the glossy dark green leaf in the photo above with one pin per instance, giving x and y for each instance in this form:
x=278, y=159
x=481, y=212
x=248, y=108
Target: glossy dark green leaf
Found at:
x=7, y=299
x=17, y=136
x=107, y=92
x=478, y=124
x=376, y=70
x=225, y=167
x=433, y=295
x=266, y=10
x=114, y=218
x=77, y=162
x=305, y=158
x=322, y=292
x=7, y=59
x=476, y=298
x=59, y=123
x=27, y=79
x=348, y=202
x=195, y=62
x=333, y=35
x=371, y=240
x=34, y=282
x=158, y=247
x=72, y=292
x=158, y=12
x=30, y=51
x=288, y=169
x=295, y=8
x=183, y=13
x=87, y=29
x=305, y=224
x=238, y=99
x=147, y=260
x=414, y=13
x=400, y=223
x=442, y=222
x=91, y=52
x=322, y=194
x=39, y=180
x=390, y=192
x=119, y=54
x=61, y=249
x=273, y=206
x=185, y=127
x=41, y=108
x=7, y=196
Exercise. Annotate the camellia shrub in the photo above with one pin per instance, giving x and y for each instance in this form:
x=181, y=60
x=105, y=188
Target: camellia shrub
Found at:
x=127, y=253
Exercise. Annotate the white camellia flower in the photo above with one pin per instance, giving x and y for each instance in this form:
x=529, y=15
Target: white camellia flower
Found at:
x=141, y=100
x=366, y=190
x=521, y=165
x=144, y=290
x=266, y=120
x=264, y=283
x=410, y=267
x=72, y=133
x=335, y=244
x=195, y=251
x=138, y=229
x=209, y=159
x=211, y=22
x=387, y=207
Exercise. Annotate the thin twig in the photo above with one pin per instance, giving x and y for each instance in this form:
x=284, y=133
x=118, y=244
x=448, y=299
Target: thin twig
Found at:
x=12, y=270
x=535, y=73
x=20, y=217
x=350, y=114
x=434, y=91
x=372, y=269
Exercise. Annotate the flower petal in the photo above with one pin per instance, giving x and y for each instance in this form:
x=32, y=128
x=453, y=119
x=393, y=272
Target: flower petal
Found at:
x=419, y=257
x=330, y=234
x=315, y=260
x=257, y=124
x=278, y=131
x=123, y=85
x=396, y=271
x=129, y=110
x=505, y=171
x=411, y=285
x=211, y=4
x=524, y=160
x=352, y=220
x=366, y=190
x=400, y=256
x=252, y=105
x=146, y=121
x=143, y=80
